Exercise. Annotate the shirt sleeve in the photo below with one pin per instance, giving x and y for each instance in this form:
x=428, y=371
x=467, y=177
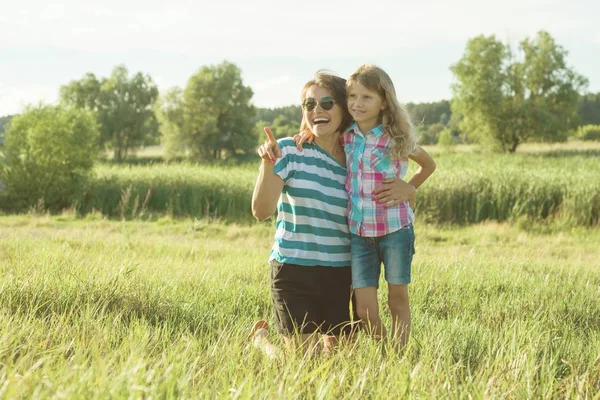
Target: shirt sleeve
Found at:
x=283, y=165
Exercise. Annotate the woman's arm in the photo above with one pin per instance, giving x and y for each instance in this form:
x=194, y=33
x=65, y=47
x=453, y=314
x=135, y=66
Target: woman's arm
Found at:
x=267, y=190
x=268, y=185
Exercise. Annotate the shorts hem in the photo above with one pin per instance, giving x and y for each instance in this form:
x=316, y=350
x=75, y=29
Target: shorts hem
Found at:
x=399, y=281
x=365, y=283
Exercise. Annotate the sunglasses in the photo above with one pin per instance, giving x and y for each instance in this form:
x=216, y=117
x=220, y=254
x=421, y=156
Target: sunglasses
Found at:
x=326, y=103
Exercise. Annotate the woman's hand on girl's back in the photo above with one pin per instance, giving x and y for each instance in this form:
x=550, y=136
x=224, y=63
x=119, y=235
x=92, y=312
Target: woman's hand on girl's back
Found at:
x=394, y=192
x=303, y=137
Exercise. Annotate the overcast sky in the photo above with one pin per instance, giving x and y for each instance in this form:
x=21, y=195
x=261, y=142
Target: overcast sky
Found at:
x=277, y=44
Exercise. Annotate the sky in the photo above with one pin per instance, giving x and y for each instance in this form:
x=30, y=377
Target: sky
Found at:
x=278, y=45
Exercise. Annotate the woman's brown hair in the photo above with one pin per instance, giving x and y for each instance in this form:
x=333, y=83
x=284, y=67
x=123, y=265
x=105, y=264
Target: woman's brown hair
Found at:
x=337, y=87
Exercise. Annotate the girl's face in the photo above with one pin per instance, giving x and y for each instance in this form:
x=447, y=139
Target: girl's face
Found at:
x=364, y=105
x=320, y=111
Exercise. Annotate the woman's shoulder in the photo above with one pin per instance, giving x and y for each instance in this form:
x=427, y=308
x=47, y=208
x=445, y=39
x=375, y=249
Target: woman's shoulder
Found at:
x=286, y=142
x=288, y=145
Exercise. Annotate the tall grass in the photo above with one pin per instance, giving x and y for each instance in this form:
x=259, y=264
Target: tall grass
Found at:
x=474, y=187
x=467, y=188
x=175, y=189
x=104, y=309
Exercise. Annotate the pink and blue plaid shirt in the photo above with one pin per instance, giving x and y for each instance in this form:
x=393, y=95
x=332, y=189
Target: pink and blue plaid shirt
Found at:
x=368, y=162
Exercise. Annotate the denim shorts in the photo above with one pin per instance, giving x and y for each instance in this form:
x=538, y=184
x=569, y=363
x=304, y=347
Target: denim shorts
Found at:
x=394, y=250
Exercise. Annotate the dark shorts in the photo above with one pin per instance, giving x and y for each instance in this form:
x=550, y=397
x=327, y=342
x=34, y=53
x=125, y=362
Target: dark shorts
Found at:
x=311, y=299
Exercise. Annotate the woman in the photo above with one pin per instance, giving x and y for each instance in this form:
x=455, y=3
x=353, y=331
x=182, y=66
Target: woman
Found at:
x=310, y=259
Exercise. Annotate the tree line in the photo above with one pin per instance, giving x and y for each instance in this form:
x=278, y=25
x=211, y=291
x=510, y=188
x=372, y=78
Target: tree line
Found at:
x=503, y=96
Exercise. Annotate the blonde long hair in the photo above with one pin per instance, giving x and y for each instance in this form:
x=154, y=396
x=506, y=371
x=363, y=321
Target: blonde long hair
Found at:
x=395, y=119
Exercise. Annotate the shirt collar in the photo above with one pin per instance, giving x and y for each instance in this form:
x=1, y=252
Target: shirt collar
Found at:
x=377, y=131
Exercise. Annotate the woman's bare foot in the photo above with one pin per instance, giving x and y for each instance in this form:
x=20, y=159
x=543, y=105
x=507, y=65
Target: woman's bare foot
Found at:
x=260, y=340
x=259, y=333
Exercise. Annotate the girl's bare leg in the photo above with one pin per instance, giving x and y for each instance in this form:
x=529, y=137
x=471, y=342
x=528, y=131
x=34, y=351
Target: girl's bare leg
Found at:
x=367, y=309
x=400, y=310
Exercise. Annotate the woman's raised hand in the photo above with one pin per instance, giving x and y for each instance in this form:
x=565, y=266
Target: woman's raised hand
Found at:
x=269, y=151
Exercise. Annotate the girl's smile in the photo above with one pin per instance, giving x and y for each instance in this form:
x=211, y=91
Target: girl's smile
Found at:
x=364, y=106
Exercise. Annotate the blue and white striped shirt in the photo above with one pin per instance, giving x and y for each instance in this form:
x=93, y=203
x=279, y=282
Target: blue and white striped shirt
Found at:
x=312, y=212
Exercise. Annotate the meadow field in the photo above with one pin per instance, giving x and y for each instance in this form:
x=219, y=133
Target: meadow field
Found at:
x=149, y=289
x=97, y=308
x=551, y=184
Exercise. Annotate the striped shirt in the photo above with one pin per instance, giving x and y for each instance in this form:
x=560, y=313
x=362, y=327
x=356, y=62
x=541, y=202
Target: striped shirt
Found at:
x=369, y=162
x=312, y=212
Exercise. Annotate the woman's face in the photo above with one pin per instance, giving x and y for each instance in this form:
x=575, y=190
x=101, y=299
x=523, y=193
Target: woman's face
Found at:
x=320, y=111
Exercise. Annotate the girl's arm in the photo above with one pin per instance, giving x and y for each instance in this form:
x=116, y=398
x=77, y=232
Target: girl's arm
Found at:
x=426, y=167
x=396, y=191
x=268, y=185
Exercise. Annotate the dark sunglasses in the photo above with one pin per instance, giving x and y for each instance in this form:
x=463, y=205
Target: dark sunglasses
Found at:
x=326, y=103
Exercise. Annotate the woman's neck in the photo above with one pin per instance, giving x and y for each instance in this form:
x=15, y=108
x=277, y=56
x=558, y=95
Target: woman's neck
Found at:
x=330, y=143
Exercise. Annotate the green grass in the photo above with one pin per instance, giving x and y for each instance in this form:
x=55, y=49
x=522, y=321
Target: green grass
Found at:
x=551, y=185
x=93, y=308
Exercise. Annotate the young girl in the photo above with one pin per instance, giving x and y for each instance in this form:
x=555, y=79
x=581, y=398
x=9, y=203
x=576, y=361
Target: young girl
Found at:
x=378, y=146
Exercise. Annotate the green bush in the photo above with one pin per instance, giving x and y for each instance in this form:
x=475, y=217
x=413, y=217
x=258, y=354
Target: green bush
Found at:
x=590, y=132
x=429, y=134
x=49, y=154
x=446, y=139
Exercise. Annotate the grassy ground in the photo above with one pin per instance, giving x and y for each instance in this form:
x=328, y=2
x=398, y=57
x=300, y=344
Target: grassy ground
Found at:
x=95, y=308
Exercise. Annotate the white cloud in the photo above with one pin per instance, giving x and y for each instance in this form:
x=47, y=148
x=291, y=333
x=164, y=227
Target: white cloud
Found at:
x=175, y=38
x=14, y=99
x=269, y=83
x=276, y=92
x=264, y=27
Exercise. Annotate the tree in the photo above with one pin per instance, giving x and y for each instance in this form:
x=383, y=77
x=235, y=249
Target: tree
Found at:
x=429, y=134
x=504, y=100
x=291, y=113
x=169, y=110
x=123, y=108
x=283, y=127
x=430, y=113
x=212, y=116
x=589, y=109
x=4, y=122
x=49, y=154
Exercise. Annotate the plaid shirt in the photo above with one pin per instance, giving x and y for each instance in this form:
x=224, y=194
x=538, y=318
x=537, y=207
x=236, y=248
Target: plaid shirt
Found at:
x=368, y=162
